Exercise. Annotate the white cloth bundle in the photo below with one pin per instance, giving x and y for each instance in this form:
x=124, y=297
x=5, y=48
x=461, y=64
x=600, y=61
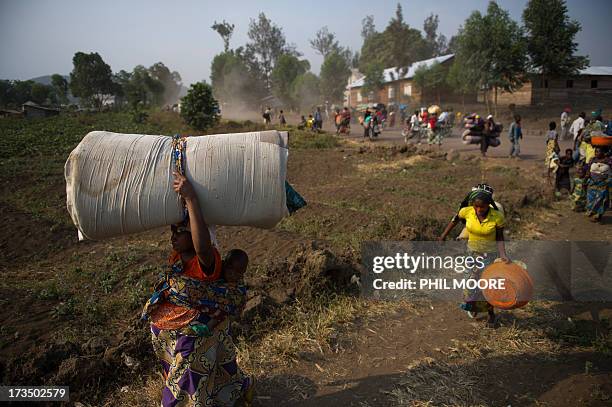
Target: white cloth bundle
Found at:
x=118, y=184
x=469, y=139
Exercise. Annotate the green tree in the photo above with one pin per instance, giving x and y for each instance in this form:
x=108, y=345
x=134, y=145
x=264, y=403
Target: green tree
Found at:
x=462, y=79
x=335, y=72
x=121, y=81
x=41, y=94
x=436, y=44
x=267, y=44
x=22, y=92
x=170, y=80
x=7, y=96
x=221, y=67
x=398, y=45
x=367, y=27
x=144, y=89
x=430, y=79
x=60, y=88
x=305, y=91
x=287, y=69
x=236, y=80
x=91, y=78
x=550, y=39
x=199, y=108
x=452, y=45
x=225, y=30
x=324, y=42
x=491, y=49
x=373, y=81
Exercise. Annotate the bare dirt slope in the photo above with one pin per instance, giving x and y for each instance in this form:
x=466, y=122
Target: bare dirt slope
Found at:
x=70, y=310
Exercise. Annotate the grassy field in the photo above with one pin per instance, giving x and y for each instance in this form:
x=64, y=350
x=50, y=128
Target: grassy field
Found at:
x=70, y=309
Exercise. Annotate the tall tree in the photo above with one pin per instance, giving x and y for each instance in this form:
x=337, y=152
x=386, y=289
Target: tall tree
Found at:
x=41, y=94
x=91, y=78
x=436, y=43
x=374, y=80
x=22, y=91
x=492, y=50
x=287, y=69
x=451, y=47
x=236, y=80
x=171, y=80
x=7, y=97
x=140, y=88
x=305, y=91
x=550, y=38
x=324, y=42
x=60, y=88
x=462, y=79
x=225, y=30
x=267, y=44
x=334, y=75
x=430, y=79
x=398, y=45
x=367, y=27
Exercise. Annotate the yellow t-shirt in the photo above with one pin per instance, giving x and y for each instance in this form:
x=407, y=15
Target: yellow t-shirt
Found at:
x=481, y=235
x=589, y=151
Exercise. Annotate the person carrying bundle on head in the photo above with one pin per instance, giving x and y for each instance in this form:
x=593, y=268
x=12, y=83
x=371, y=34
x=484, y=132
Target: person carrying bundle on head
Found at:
x=190, y=313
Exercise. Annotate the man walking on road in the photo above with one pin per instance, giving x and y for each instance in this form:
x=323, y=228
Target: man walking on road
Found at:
x=577, y=125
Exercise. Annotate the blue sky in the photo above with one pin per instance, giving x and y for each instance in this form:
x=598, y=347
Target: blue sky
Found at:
x=40, y=37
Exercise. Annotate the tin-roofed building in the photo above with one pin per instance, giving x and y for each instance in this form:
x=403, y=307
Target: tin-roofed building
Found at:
x=592, y=86
x=398, y=88
x=32, y=110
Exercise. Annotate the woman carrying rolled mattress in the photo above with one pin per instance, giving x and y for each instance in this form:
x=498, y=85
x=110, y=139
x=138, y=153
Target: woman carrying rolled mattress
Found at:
x=190, y=314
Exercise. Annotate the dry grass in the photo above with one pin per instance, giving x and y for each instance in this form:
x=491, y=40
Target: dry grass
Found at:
x=143, y=392
x=453, y=379
x=397, y=165
x=318, y=327
x=303, y=328
x=430, y=382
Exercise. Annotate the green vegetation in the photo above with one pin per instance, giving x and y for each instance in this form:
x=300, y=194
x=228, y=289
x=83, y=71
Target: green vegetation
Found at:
x=200, y=109
x=301, y=139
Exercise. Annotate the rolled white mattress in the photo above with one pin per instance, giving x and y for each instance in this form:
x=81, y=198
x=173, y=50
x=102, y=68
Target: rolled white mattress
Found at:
x=118, y=184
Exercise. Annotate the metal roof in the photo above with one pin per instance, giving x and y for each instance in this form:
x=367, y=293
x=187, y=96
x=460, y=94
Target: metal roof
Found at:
x=596, y=70
x=393, y=74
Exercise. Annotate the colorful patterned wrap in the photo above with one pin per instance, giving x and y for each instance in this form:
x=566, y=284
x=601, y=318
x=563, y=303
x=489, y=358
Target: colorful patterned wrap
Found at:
x=579, y=195
x=598, y=186
x=474, y=298
x=200, y=371
x=199, y=366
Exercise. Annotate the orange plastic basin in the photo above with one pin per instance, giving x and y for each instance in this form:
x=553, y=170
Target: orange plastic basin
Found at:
x=601, y=141
x=518, y=286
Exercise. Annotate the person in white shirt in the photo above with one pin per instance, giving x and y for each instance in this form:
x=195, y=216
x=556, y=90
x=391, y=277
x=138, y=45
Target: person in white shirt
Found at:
x=414, y=121
x=577, y=125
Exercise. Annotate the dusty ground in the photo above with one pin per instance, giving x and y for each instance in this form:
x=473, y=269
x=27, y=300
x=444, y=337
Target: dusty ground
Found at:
x=70, y=309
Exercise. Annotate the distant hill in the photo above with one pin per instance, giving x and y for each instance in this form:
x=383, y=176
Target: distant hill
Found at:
x=46, y=80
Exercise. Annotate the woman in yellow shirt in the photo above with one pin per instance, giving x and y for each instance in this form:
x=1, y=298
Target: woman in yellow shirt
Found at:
x=485, y=227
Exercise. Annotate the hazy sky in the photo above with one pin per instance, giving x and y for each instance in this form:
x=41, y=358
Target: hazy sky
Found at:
x=40, y=37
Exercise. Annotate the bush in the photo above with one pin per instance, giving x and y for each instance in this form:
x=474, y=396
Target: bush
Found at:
x=199, y=108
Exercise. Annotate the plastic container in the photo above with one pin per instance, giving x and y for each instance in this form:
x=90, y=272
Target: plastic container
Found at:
x=518, y=286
